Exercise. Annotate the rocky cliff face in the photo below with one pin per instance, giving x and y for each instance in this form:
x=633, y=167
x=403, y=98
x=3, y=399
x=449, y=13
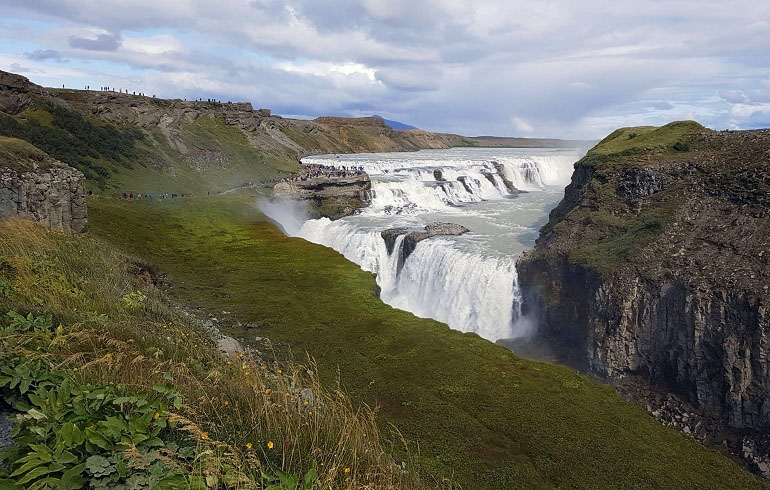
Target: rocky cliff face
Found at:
x=654, y=271
x=332, y=197
x=36, y=187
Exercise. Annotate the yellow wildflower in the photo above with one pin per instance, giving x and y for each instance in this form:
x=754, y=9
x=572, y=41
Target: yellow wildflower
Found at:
x=347, y=470
x=248, y=445
x=171, y=420
x=204, y=435
x=305, y=402
x=267, y=391
x=156, y=416
x=227, y=403
x=75, y=369
x=270, y=444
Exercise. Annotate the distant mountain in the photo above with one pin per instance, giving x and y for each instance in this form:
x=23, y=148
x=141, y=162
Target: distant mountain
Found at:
x=395, y=124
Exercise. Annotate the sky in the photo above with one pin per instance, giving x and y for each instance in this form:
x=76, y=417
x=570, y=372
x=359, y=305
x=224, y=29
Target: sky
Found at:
x=538, y=68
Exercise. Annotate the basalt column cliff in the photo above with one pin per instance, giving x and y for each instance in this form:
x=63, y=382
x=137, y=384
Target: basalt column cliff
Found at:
x=654, y=271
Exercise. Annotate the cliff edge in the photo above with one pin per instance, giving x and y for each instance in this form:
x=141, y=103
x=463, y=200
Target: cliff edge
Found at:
x=35, y=186
x=654, y=271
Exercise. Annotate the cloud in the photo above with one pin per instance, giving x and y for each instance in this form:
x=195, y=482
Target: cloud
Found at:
x=661, y=105
x=102, y=42
x=17, y=68
x=734, y=96
x=562, y=68
x=44, y=54
x=521, y=125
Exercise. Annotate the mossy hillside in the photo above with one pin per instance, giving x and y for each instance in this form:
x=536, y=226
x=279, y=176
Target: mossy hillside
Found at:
x=467, y=408
x=224, y=160
x=609, y=234
x=21, y=156
x=92, y=147
x=124, y=158
x=647, y=139
x=95, y=318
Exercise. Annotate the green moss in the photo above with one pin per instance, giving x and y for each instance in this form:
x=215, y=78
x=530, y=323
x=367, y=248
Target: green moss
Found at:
x=618, y=241
x=647, y=139
x=468, y=408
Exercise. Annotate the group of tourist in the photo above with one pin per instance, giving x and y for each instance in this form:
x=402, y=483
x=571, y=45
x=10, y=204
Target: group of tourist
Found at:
x=131, y=196
x=121, y=90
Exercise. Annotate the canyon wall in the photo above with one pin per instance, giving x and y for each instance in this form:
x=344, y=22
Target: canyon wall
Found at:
x=654, y=271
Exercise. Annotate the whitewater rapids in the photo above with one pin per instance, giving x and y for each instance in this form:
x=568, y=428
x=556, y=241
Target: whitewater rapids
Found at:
x=469, y=281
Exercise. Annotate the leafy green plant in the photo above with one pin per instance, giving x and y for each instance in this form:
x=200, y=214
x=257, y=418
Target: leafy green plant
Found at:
x=21, y=323
x=67, y=434
x=288, y=481
x=134, y=300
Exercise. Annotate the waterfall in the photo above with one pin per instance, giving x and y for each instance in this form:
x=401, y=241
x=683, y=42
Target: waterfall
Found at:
x=417, y=185
x=468, y=282
x=468, y=292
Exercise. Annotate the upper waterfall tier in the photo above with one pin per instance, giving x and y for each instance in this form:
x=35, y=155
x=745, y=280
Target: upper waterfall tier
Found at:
x=429, y=181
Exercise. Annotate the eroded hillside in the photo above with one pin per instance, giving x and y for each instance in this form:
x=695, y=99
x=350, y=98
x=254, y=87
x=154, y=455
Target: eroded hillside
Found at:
x=132, y=142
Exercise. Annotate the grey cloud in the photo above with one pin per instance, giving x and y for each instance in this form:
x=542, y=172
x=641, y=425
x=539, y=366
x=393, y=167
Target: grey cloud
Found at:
x=661, y=105
x=734, y=96
x=442, y=64
x=103, y=42
x=410, y=78
x=44, y=54
x=17, y=68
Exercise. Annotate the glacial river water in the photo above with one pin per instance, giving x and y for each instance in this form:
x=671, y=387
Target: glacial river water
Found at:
x=468, y=281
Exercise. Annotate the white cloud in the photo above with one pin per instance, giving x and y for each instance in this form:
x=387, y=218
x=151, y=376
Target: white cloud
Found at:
x=521, y=125
x=321, y=68
x=563, y=68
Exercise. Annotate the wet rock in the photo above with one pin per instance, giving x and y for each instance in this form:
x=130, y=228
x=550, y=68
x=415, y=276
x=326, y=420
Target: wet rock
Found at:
x=412, y=238
x=508, y=184
x=463, y=179
x=438, y=175
x=390, y=237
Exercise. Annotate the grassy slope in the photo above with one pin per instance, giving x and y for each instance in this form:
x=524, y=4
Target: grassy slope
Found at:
x=19, y=155
x=118, y=329
x=479, y=414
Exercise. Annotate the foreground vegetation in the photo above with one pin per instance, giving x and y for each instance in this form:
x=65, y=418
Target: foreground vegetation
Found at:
x=116, y=388
x=469, y=409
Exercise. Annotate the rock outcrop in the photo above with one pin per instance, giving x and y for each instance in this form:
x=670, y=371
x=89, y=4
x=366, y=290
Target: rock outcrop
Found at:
x=412, y=238
x=34, y=186
x=654, y=271
x=333, y=197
